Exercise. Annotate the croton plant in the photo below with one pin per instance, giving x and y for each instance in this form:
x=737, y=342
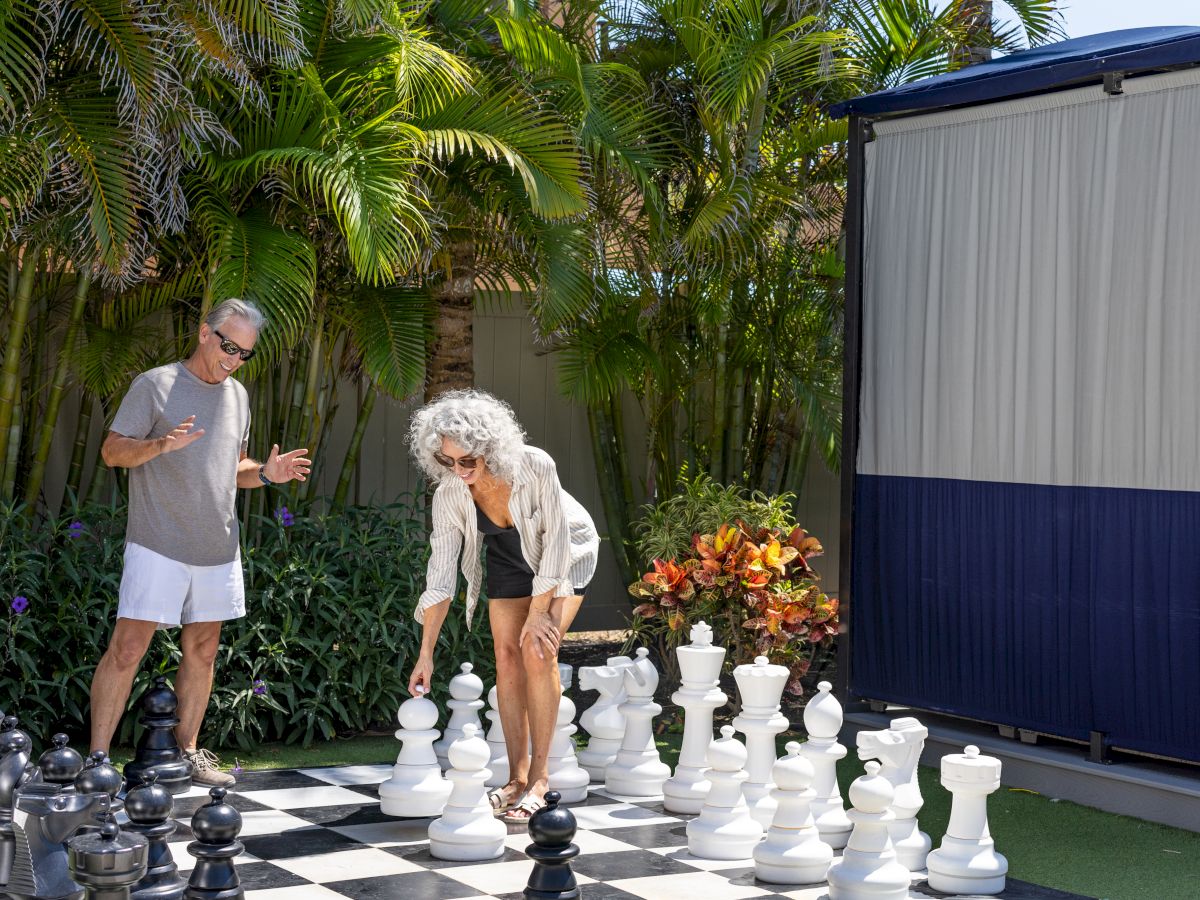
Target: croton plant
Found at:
x=755, y=588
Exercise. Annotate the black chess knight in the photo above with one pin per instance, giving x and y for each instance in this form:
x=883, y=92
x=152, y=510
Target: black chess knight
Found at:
x=551, y=829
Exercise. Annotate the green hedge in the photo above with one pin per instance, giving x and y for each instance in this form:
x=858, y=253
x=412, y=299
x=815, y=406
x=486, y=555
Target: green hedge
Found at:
x=324, y=649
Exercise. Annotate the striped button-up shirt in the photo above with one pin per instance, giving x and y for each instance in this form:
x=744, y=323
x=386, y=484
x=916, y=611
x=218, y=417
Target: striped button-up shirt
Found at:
x=558, y=538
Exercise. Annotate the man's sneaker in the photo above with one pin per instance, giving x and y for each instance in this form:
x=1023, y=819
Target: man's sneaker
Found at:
x=205, y=769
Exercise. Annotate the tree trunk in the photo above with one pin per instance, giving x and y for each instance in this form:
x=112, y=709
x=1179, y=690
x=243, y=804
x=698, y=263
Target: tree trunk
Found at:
x=451, y=355
x=10, y=375
x=350, y=463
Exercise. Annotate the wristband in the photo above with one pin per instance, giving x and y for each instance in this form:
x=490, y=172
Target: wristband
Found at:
x=262, y=476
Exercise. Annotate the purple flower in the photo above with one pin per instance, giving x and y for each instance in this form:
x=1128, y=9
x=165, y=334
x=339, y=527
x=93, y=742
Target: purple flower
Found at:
x=260, y=687
x=19, y=604
x=75, y=529
x=237, y=767
x=286, y=519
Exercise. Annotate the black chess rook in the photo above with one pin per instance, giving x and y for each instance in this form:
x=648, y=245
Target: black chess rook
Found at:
x=157, y=749
x=216, y=826
x=149, y=808
x=106, y=863
x=551, y=829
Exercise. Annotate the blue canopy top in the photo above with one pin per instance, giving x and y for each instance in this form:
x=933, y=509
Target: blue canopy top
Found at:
x=1039, y=69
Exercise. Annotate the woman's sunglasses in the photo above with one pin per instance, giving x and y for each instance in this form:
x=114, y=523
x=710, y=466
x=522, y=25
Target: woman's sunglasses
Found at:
x=467, y=462
x=232, y=349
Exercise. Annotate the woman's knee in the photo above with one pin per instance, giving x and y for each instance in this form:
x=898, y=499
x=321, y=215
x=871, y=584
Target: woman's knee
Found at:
x=536, y=664
x=508, y=656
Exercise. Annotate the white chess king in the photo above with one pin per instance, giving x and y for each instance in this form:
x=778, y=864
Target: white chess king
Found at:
x=967, y=861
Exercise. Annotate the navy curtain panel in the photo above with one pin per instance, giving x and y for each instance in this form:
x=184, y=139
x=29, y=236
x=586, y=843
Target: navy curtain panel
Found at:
x=1059, y=609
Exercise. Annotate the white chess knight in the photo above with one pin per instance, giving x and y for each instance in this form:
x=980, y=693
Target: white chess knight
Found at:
x=464, y=704
x=467, y=830
x=761, y=688
x=793, y=852
x=867, y=869
x=416, y=786
x=898, y=749
x=603, y=720
x=699, y=695
x=724, y=829
x=967, y=861
x=822, y=722
x=564, y=773
x=638, y=771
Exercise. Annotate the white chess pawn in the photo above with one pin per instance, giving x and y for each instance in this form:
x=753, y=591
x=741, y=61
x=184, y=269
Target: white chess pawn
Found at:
x=967, y=861
x=868, y=869
x=498, y=757
x=603, y=720
x=793, y=852
x=467, y=830
x=464, y=704
x=898, y=748
x=724, y=829
x=416, y=786
x=761, y=688
x=565, y=775
x=823, y=721
x=699, y=695
x=638, y=771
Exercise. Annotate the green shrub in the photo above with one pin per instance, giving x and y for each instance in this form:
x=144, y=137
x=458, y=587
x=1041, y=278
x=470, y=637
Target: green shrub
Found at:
x=325, y=647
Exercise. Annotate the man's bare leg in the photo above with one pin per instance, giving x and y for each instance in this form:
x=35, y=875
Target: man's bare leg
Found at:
x=114, y=676
x=198, y=643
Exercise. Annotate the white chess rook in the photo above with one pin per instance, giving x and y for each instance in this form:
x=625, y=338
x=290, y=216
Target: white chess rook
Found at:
x=761, y=688
x=823, y=721
x=699, y=695
x=603, y=720
x=464, y=704
x=793, y=852
x=565, y=775
x=967, y=861
x=724, y=829
x=898, y=748
x=416, y=786
x=868, y=869
x=467, y=830
x=638, y=771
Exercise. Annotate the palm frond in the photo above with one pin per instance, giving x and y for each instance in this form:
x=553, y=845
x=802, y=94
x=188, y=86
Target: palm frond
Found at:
x=389, y=329
x=25, y=29
x=24, y=165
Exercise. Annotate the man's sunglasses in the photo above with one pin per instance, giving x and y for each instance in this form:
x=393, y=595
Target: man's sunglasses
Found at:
x=467, y=462
x=232, y=349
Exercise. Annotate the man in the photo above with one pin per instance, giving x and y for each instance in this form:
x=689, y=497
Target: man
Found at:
x=182, y=431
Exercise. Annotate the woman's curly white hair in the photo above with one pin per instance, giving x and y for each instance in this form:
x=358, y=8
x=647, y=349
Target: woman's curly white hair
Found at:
x=481, y=424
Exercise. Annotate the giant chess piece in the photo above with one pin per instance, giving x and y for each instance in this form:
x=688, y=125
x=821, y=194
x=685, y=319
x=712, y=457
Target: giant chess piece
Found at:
x=551, y=829
x=761, y=688
x=823, y=721
x=43, y=821
x=157, y=748
x=868, y=869
x=416, y=787
x=467, y=831
x=216, y=826
x=100, y=776
x=699, y=695
x=724, y=829
x=967, y=861
x=603, y=720
x=497, y=744
x=793, y=852
x=565, y=775
x=60, y=764
x=14, y=758
x=106, y=863
x=464, y=705
x=898, y=749
x=638, y=771
x=149, y=808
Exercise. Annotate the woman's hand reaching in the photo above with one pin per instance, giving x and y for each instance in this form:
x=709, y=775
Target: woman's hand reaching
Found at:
x=422, y=675
x=539, y=627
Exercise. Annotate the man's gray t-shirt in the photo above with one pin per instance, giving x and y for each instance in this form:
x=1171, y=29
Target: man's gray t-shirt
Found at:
x=182, y=504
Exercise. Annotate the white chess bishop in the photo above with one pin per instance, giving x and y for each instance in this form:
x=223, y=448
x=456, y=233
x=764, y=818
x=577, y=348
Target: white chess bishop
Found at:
x=868, y=869
x=967, y=861
x=699, y=695
x=822, y=722
x=467, y=830
x=464, y=704
x=565, y=775
x=724, y=829
x=416, y=786
x=603, y=720
x=638, y=771
x=793, y=852
x=761, y=688
x=898, y=749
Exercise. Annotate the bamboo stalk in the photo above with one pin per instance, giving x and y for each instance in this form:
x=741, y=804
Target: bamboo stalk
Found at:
x=10, y=465
x=296, y=390
x=608, y=494
x=83, y=430
x=10, y=375
x=350, y=463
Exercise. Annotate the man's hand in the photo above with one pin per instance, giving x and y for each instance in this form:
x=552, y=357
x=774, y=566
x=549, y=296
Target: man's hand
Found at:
x=419, y=680
x=180, y=436
x=281, y=467
x=539, y=628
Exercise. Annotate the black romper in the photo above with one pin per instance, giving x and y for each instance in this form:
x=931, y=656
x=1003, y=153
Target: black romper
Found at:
x=508, y=575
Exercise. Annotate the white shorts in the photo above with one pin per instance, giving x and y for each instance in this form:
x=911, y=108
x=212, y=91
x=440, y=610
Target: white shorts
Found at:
x=156, y=588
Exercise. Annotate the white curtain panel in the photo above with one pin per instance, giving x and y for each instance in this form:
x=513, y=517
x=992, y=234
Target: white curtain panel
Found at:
x=1032, y=291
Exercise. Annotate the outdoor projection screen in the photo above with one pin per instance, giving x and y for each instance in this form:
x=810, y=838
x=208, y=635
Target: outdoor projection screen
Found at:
x=1026, y=531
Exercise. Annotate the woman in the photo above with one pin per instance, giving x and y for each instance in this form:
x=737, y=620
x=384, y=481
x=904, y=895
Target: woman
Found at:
x=494, y=489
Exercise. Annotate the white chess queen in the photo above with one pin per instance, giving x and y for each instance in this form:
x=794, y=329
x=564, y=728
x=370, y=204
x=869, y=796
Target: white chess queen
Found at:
x=498, y=495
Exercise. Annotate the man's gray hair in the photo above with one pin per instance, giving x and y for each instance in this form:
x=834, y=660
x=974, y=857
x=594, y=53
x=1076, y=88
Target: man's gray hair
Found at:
x=227, y=309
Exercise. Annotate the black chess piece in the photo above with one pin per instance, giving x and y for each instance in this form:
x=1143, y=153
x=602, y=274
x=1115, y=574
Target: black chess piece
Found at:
x=47, y=818
x=216, y=826
x=100, y=776
x=157, y=748
x=107, y=862
x=60, y=764
x=10, y=733
x=551, y=829
x=14, y=758
x=149, y=808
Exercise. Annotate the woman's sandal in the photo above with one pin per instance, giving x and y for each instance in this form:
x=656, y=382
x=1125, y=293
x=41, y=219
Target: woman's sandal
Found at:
x=497, y=801
x=529, y=805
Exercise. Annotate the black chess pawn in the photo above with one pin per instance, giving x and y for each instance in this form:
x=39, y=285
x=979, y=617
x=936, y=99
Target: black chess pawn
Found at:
x=106, y=863
x=14, y=758
x=60, y=764
x=157, y=748
x=11, y=736
x=149, y=809
x=551, y=829
x=100, y=776
x=216, y=826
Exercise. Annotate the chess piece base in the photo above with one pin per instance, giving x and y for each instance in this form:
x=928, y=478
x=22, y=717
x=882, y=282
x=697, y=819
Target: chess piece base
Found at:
x=735, y=839
x=684, y=792
x=911, y=844
x=866, y=876
x=792, y=858
x=966, y=867
x=470, y=841
x=643, y=779
x=599, y=755
x=414, y=792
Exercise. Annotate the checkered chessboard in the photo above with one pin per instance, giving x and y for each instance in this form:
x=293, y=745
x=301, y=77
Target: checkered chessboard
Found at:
x=318, y=834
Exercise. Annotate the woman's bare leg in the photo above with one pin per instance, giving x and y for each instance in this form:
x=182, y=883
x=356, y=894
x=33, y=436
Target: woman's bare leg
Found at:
x=507, y=618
